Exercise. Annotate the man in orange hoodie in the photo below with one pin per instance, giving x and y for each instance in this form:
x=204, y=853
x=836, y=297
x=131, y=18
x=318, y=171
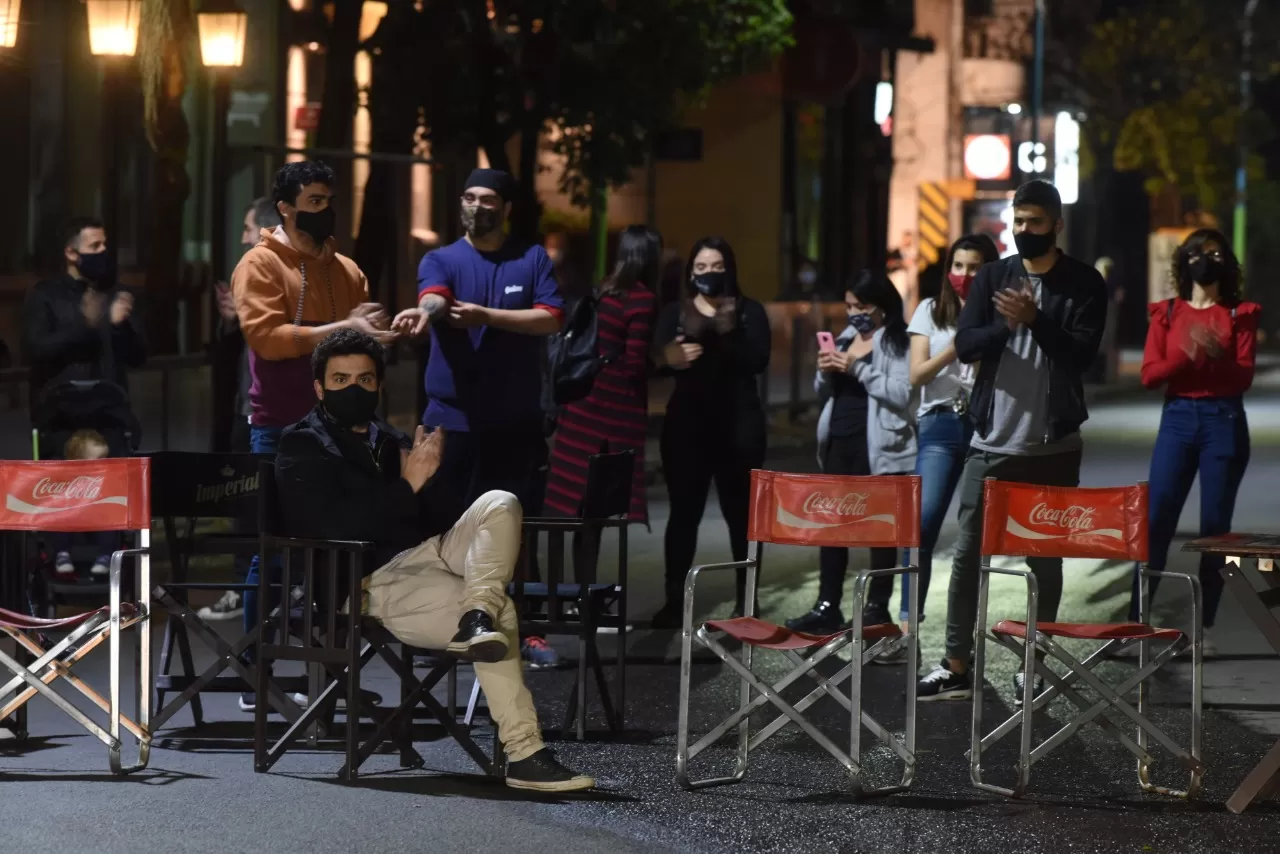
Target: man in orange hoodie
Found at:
x=291, y=291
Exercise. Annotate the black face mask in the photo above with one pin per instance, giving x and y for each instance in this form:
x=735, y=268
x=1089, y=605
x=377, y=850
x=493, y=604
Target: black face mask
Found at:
x=713, y=284
x=352, y=406
x=1205, y=270
x=1035, y=245
x=318, y=225
x=479, y=222
x=95, y=268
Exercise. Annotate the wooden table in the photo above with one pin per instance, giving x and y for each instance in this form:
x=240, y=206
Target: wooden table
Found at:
x=1264, y=549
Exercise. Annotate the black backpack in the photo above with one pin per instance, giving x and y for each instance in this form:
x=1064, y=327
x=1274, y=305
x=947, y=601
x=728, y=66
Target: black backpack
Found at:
x=573, y=355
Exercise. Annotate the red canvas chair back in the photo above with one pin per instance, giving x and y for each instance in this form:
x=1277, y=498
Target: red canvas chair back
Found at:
x=834, y=510
x=75, y=495
x=1069, y=522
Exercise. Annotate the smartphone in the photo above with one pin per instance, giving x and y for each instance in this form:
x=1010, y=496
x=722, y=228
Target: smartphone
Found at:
x=826, y=344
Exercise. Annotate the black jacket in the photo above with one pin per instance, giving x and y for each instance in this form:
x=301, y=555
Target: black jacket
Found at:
x=334, y=485
x=1067, y=328
x=61, y=348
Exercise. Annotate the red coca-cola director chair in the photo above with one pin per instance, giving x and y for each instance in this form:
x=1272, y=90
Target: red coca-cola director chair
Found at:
x=74, y=496
x=810, y=510
x=1022, y=520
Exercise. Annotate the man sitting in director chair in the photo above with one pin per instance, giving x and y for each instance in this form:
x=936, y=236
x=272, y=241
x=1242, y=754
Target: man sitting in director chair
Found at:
x=441, y=583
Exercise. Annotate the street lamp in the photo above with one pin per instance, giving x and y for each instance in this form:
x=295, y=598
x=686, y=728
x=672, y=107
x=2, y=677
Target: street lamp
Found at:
x=222, y=33
x=9, y=15
x=113, y=26
x=113, y=32
x=223, y=26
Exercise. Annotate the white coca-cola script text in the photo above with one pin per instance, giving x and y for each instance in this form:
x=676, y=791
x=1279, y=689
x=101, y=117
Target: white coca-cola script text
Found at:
x=81, y=488
x=1077, y=517
x=851, y=504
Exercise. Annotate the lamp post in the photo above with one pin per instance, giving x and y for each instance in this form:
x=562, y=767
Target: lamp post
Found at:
x=113, y=32
x=10, y=14
x=223, y=27
x=1241, y=219
x=1037, y=85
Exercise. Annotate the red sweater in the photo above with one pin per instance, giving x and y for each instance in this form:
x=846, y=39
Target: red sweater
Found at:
x=1165, y=361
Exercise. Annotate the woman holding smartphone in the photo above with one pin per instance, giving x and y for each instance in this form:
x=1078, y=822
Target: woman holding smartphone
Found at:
x=716, y=343
x=945, y=384
x=1201, y=347
x=866, y=428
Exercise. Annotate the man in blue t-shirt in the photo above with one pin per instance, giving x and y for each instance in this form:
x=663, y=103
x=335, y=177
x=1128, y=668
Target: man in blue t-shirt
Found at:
x=491, y=301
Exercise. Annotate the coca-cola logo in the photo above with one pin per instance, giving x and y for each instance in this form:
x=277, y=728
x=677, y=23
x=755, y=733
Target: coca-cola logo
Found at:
x=78, y=489
x=1076, y=518
x=850, y=504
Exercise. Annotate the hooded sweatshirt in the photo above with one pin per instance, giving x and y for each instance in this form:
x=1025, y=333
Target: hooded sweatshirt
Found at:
x=278, y=317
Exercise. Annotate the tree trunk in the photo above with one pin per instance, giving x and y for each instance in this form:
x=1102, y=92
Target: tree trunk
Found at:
x=337, y=104
x=170, y=187
x=528, y=212
x=393, y=119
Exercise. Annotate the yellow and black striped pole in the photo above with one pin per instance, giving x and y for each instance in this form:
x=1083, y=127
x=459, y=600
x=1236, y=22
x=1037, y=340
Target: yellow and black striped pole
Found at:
x=934, y=223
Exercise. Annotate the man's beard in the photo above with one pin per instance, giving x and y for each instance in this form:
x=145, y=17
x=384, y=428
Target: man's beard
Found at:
x=480, y=222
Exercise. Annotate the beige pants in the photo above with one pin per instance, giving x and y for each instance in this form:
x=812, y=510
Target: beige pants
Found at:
x=422, y=592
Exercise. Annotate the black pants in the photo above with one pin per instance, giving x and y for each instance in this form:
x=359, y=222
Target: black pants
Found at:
x=512, y=461
x=848, y=455
x=692, y=458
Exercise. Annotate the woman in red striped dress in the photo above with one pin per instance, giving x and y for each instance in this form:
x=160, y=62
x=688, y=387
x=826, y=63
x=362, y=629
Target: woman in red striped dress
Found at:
x=614, y=416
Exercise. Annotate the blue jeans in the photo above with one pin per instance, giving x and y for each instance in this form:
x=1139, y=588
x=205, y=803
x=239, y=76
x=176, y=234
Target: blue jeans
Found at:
x=1209, y=436
x=943, y=441
x=262, y=440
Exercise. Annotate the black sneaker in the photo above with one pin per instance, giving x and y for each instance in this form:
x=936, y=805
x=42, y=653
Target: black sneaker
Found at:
x=542, y=773
x=1020, y=682
x=824, y=619
x=669, y=616
x=477, y=639
x=942, y=684
x=875, y=615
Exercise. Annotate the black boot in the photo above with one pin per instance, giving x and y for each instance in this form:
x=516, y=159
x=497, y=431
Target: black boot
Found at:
x=477, y=639
x=824, y=619
x=671, y=614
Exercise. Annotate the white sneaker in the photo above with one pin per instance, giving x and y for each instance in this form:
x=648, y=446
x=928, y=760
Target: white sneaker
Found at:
x=228, y=607
x=62, y=564
x=100, y=569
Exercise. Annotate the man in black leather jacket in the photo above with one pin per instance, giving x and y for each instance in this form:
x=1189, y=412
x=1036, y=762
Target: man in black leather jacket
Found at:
x=441, y=579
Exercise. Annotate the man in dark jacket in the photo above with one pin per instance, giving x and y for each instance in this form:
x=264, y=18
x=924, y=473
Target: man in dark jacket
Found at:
x=440, y=584
x=81, y=338
x=1034, y=323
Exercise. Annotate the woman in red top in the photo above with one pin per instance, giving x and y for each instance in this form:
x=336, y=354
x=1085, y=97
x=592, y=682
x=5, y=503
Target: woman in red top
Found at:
x=615, y=415
x=1201, y=347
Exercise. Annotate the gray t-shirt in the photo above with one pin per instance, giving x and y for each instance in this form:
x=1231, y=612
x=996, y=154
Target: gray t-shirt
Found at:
x=1020, y=412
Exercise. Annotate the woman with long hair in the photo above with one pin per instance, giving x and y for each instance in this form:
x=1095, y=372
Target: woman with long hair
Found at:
x=613, y=417
x=867, y=428
x=1200, y=346
x=944, y=426
x=715, y=342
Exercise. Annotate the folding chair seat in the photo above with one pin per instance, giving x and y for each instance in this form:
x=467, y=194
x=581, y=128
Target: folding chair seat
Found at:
x=81, y=496
x=1022, y=520
x=810, y=510
x=219, y=489
x=336, y=642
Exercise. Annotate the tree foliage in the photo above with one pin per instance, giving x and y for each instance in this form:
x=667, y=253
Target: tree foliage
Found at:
x=605, y=75
x=1159, y=83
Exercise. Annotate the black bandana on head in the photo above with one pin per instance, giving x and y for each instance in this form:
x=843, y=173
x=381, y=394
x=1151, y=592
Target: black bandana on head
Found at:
x=490, y=179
